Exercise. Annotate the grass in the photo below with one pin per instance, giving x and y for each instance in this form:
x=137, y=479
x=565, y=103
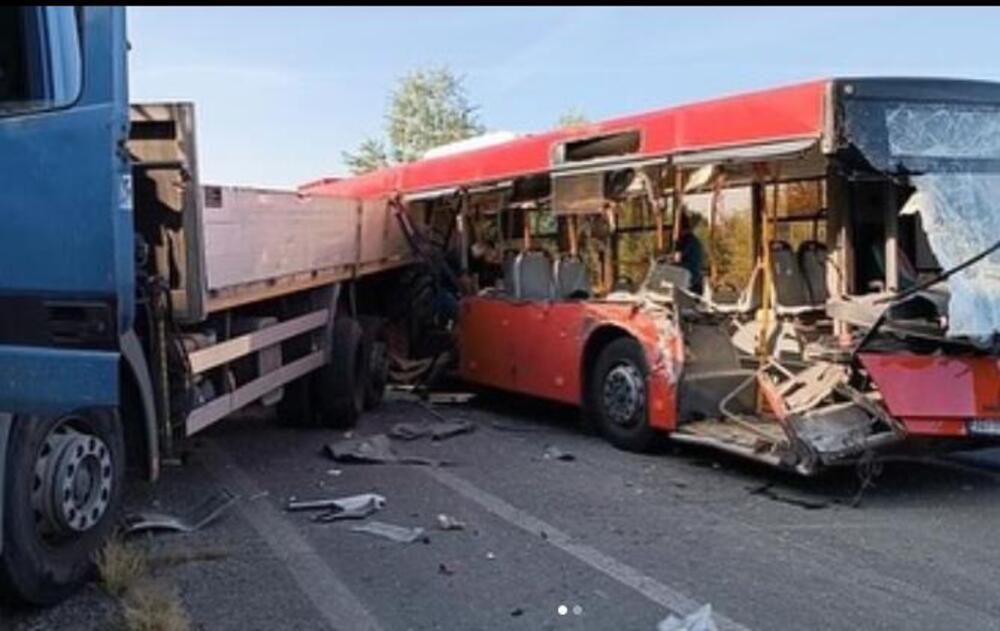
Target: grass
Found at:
x=146, y=603
x=152, y=605
x=120, y=565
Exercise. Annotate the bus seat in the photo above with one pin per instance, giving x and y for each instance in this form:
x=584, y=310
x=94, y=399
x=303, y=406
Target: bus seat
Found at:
x=663, y=274
x=509, y=256
x=812, y=260
x=571, y=278
x=533, y=276
x=791, y=293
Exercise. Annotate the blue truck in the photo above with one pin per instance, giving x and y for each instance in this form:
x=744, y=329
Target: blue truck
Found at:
x=138, y=306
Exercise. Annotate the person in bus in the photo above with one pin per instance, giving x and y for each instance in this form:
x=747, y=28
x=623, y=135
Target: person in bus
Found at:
x=485, y=263
x=689, y=253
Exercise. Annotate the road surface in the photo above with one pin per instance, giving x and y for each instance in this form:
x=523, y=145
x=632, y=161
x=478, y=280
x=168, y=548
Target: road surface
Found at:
x=608, y=540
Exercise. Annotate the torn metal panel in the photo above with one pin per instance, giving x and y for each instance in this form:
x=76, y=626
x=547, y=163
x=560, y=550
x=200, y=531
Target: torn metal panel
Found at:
x=836, y=430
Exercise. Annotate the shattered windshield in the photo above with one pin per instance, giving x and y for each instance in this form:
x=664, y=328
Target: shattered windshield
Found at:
x=953, y=154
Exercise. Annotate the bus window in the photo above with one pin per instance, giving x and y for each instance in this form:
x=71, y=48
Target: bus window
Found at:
x=40, y=61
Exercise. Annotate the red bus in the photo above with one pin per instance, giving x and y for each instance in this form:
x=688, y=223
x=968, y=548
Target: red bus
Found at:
x=851, y=293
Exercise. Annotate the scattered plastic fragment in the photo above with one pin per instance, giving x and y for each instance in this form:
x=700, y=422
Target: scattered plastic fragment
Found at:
x=554, y=453
x=375, y=449
x=198, y=518
x=398, y=534
x=352, y=507
x=446, y=522
x=700, y=620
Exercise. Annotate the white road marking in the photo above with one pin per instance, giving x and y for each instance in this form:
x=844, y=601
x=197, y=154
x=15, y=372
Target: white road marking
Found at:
x=340, y=608
x=627, y=575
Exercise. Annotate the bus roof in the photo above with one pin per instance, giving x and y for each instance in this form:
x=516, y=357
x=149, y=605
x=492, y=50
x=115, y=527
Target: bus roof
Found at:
x=774, y=115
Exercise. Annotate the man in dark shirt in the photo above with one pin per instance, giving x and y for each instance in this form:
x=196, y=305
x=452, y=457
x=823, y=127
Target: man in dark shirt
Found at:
x=690, y=254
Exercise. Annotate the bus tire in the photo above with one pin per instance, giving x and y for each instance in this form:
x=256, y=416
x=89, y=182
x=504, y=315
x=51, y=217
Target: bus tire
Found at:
x=341, y=384
x=376, y=342
x=617, y=396
x=63, y=494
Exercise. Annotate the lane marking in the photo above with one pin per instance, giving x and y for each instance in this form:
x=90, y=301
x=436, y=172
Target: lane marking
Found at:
x=627, y=575
x=339, y=607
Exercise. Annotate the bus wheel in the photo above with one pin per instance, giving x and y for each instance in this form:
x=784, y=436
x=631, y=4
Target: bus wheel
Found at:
x=617, y=395
x=342, y=382
x=376, y=341
x=63, y=493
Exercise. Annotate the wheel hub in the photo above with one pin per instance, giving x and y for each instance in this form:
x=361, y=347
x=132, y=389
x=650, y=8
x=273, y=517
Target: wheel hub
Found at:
x=73, y=480
x=623, y=394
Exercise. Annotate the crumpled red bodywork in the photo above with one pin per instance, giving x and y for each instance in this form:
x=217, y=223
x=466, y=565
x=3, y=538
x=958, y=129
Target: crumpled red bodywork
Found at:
x=538, y=348
x=936, y=395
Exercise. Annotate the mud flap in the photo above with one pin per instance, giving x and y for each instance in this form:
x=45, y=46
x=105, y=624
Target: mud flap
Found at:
x=6, y=423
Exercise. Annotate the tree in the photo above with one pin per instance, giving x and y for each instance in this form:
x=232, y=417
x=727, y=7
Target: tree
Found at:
x=371, y=155
x=428, y=108
x=572, y=118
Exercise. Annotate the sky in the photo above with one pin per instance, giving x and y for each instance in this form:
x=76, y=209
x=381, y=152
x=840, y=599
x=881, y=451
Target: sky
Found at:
x=280, y=92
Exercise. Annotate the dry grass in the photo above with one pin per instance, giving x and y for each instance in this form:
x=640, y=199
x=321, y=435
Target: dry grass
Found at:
x=120, y=566
x=147, y=604
x=151, y=605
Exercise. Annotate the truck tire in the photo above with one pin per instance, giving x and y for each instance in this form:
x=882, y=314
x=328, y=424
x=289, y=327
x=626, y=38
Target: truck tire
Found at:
x=376, y=341
x=617, y=394
x=415, y=308
x=62, y=497
x=341, y=384
x=295, y=409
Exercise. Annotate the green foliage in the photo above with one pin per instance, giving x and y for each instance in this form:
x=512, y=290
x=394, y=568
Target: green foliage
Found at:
x=428, y=108
x=371, y=155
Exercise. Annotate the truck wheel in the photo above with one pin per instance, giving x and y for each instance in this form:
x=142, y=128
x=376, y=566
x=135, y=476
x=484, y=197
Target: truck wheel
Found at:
x=376, y=341
x=295, y=409
x=340, y=385
x=62, y=497
x=617, y=395
x=415, y=308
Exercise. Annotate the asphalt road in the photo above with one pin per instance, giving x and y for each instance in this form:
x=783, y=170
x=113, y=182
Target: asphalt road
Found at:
x=609, y=540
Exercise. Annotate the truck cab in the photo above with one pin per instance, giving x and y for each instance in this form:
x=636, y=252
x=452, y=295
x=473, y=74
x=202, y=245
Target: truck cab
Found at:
x=66, y=291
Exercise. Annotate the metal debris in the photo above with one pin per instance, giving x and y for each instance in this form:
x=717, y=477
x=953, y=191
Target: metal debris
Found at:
x=389, y=531
x=197, y=519
x=700, y=620
x=352, y=507
x=437, y=431
x=554, y=453
x=450, y=397
x=375, y=449
x=801, y=502
x=446, y=522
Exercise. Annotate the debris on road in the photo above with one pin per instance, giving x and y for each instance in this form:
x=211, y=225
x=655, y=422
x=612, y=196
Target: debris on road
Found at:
x=197, y=519
x=554, y=453
x=808, y=504
x=446, y=522
x=490, y=556
x=399, y=534
x=352, y=507
x=437, y=431
x=510, y=427
x=374, y=450
x=517, y=612
x=445, y=569
x=450, y=397
x=700, y=620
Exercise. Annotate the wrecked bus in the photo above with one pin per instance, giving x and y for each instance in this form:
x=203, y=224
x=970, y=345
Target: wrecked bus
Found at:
x=852, y=287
